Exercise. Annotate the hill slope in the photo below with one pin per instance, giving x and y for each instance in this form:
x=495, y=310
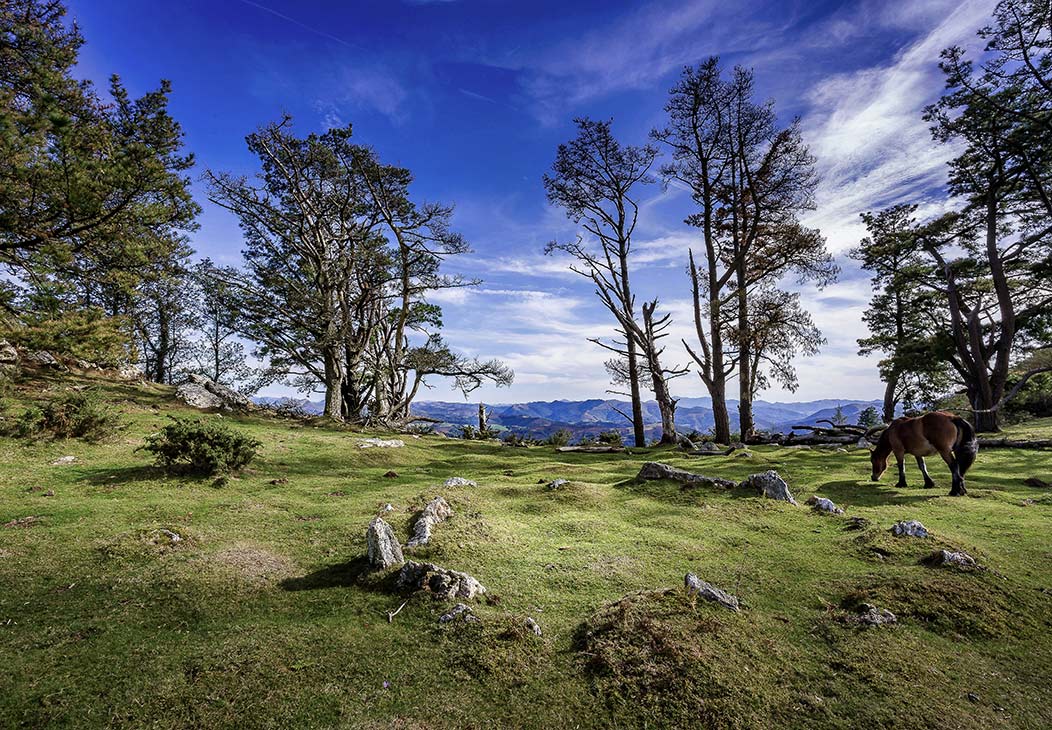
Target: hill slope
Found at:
x=262, y=614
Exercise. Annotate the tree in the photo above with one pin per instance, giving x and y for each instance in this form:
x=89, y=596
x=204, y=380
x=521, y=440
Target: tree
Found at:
x=594, y=179
x=868, y=417
x=779, y=330
x=904, y=317
x=750, y=181
x=78, y=175
x=1000, y=114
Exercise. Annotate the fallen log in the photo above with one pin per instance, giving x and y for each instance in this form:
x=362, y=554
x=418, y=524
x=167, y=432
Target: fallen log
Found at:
x=1007, y=443
x=591, y=449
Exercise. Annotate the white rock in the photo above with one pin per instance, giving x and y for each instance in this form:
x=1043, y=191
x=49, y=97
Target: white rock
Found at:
x=460, y=482
x=909, y=528
x=384, y=550
x=440, y=582
x=8, y=353
x=769, y=484
x=62, y=460
x=697, y=587
x=197, y=396
x=656, y=470
x=437, y=510
x=371, y=443
x=533, y=625
x=821, y=504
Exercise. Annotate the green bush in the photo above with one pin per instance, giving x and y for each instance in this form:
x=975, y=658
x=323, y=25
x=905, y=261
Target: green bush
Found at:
x=197, y=446
x=561, y=437
x=612, y=438
x=78, y=414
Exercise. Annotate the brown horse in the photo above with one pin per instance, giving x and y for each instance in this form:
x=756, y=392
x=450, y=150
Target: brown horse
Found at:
x=945, y=434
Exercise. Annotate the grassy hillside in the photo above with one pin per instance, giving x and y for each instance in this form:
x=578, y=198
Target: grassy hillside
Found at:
x=263, y=614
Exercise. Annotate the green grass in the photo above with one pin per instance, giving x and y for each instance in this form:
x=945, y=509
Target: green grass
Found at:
x=264, y=616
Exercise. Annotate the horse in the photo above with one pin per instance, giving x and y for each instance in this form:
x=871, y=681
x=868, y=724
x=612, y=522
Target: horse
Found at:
x=942, y=433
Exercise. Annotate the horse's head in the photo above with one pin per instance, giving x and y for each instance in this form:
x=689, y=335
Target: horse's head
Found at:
x=879, y=462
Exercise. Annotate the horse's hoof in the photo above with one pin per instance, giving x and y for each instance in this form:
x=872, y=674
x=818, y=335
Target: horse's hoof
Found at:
x=901, y=485
x=929, y=485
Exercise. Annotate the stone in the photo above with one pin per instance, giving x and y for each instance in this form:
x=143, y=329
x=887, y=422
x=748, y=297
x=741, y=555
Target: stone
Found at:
x=375, y=443
x=708, y=447
x=862, y=443
x=164, y=536
x=697, y=587
x=197, y=396
x=947, y=558
x=64, y=460
x=743, y=455
x=909, y=528
x=442, y=583
x=821, y=504
x=8, y=353
x=437, y=510
x=769, y=484
x=130, y=372
x=44, y=359
x=656, y=470
x=460, y=482
x=533, y=626
x=384, y=550
x=556, y=484
x=461, y=610
x=869, y=616
x=231, y=399
x=685, y=443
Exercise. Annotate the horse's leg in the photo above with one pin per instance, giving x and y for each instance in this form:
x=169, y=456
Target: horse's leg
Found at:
x=900, y=457
x=957, y=490
x=928, y=483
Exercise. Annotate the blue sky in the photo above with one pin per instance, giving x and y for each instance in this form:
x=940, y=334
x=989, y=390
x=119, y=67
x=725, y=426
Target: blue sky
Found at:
x=475, y=95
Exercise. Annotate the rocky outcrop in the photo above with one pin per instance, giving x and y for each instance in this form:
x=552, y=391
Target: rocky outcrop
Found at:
x=821, y=504
x=8, y=353
x=652, y=470
x=196, y=396
x=232, y=400
x=44, y=359
x=437, y=510
x=440, y=582
x=462, y=611
x=909, y=528
x=869, y=616
x=384, y=550
x=952, y=559
x=698, y=588
x=556, y=484
x=375, y=443
x=769, y=484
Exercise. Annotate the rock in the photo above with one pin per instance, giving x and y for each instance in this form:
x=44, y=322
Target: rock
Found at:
x=441, y=582
x=130, y=372
x=460, y=482
x=841, y=450
x=743, y=455
x=685, y=443
x=739, y=445
x=862, y=443
x=821, y=504
x=384, y=550
x=460, y=610
x=8, y=353
x=697, y=587
x=85, y=365
x=165, y=537
x=388, y=507
x=556, y=484
x=197, y=396
x=656, y=470
x=591, y=449
x=63, y=460
x=533, y=625
x=375, y=443
x=769, y=484
x=44, y=359
x=708, y=447
x=909, y=528
x=437, y=510
x=950, y=559
x=870, y=616
x=231, y=399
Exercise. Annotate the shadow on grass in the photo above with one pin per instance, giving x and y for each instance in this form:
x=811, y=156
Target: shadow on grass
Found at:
x=872, y=494
x=356, y=573
x=127, y=475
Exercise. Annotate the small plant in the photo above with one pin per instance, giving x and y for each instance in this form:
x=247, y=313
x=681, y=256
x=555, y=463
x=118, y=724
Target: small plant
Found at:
x=470, y=433
x=561, y=437
x=611, y=438
x=197, y=446
x=79, y=414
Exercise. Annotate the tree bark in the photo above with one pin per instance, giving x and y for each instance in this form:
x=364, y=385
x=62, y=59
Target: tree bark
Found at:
x=889, y=397
x=638, y=428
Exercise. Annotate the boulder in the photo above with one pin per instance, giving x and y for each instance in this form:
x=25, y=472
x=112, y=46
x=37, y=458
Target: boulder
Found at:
x=437, y=510
x=384, y=550
x=130, y=372
x=769, y=484
x=462, y=611
x=556, y=484
x=652, y=470
x=197, y=396
x=821, y=504
x=909, y=528
x=375, y=443
x=685, y=443
x=869, y=616
x=460, y=482
x=697, y=587
x=708, y=447
x=232, y=400
x=441, y=582
x=8, y=353
x=950, y=559
x=44, y=359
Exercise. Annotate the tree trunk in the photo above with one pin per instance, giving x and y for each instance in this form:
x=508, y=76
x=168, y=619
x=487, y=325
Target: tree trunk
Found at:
x=638, y=429
x=483, y=424
x=889, y=398
x=745, y=374
x=722, y=427
x=333, y=387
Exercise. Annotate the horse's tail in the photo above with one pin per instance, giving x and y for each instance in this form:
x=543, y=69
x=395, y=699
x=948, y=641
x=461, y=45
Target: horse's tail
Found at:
x=966, y=447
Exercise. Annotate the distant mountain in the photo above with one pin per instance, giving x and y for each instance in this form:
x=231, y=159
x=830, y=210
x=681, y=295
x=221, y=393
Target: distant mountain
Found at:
x=540, y=419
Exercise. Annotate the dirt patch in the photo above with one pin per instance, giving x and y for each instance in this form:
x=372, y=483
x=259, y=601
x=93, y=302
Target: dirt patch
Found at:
x=253, y=563
x=23, y=522
x=650, y=656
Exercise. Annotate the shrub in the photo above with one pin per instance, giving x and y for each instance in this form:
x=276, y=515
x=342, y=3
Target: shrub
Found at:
x=78, y=414
x=612, y=438
x=197, y=446
x=561, y=437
